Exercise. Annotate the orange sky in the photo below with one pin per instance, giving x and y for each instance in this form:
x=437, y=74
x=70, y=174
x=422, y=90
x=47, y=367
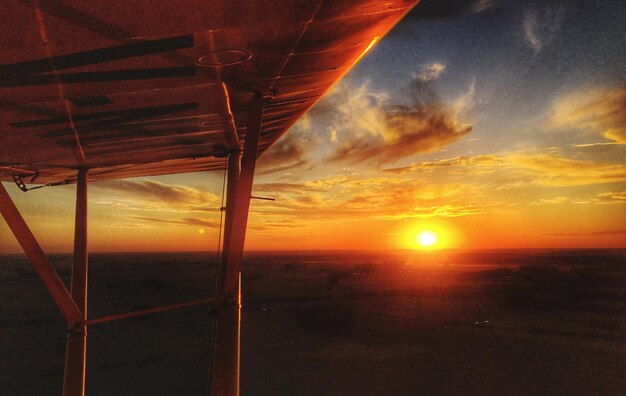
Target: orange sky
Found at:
x=467, y=204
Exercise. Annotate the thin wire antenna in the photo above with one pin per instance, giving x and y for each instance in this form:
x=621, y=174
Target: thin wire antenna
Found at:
x=218, y=272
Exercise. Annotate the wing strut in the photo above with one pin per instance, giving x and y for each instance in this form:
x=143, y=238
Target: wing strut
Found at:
x=76, y=348
x=226, y=348
x=73, y=305
x=38, y=258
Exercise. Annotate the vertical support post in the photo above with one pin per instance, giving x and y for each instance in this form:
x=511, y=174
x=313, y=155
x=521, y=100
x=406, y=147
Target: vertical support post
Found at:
x=76, y=348
x=38, y=258
x=225, y=370
x=234, y=167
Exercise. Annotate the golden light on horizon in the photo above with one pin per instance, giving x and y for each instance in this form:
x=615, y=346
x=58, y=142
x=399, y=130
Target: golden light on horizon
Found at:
x=426, y=239
x=201, y=230
x=429, y=234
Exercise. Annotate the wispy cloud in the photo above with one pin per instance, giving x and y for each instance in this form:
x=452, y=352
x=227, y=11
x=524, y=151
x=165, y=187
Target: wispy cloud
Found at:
x=487, y=160
x=297, y=188
x=184, y=221
x=541, y=25
x=543, y=169
x=430, y=72
x=600, y=110
x=605, y=198
x=552, y=170
x=612, y=197
x=291, y=150
x=552, y=201
x=583, y=145
x=482, y=5
x=155, y=191
x=586, y=234
x=377, y=198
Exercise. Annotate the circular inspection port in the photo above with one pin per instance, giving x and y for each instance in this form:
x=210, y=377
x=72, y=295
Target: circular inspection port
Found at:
x=223, y=58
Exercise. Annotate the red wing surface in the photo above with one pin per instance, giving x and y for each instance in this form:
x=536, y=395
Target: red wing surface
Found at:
x=134, y=88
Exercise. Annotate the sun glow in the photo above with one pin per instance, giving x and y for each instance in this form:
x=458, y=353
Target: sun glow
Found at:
x=426, y=239
x=433, y=234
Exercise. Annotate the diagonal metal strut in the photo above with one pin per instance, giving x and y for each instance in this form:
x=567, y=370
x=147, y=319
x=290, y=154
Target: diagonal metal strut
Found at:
x=35, y=254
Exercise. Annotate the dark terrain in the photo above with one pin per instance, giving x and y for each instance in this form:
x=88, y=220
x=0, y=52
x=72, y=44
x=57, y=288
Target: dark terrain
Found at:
x=519, y=322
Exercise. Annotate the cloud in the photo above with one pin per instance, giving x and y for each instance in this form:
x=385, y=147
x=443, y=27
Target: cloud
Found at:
x=290, y=151
x=543, y=169
x=613, y=197
x=448, y=210
x=586, y=234
x=275, y=225
x=487, y=160
x=482, y=5
x=542, y=25
x=595, y=144
x=377, y=198
x=552, y=201
x=553, y=170
x=464, y=103
x=530, y=30
x=122, y=224
x=606, y=198
x=298, y=188
x=600, y=110
x=314, y=200
x=184, y=221
x=373, y=128
x=355, y=123
x=430, y=72
x=153, y=190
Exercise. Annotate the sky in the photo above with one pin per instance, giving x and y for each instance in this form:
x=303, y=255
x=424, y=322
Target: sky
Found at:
x=491, y=123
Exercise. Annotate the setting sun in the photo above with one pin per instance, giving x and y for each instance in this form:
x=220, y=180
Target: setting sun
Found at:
x=429, y=235
x=426, y=239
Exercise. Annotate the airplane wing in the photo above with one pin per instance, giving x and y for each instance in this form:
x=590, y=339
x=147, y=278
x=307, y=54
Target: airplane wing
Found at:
x=136, y=88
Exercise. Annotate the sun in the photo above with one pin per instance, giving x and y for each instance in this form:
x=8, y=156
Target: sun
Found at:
x=426, y=239
x=428, y=236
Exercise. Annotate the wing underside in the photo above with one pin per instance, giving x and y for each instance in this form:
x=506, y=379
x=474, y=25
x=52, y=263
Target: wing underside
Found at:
x=136, y=88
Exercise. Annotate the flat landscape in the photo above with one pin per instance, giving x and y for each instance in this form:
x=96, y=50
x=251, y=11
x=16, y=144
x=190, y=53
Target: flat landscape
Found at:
x=499, y=322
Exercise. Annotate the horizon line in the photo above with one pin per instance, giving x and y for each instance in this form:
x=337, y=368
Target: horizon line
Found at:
x=425, y=251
